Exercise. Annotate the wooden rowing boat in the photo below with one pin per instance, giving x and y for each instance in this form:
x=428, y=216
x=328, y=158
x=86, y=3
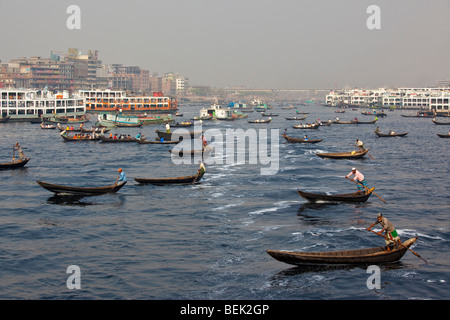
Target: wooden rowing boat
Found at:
x=157, y=141
x=178, y=136
x=175, y=180
x=354, y=122
x=14, y=165
x=105, y=139
x=67, y=138
x=60, y=189
x=47, y=126
x=357, y=256
x=344, y=155
x=182, y=152
x=440, y=123
x=295, y=118
x=306, y=126
x=391, y=134
x=345, y=197
x=443, y=135
x=4, y=119
x=259, y=121
x=299, y=140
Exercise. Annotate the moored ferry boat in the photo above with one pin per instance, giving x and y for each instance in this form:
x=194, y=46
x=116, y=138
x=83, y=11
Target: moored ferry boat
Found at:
x=37, y=105
x=216, y=111
x=110, y=100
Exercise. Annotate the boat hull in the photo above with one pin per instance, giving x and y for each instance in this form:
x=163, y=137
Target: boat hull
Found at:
x=60, y=189
x=14, y=165
x=386, y=135
x=345, y=197
x=344, y=155
x=175, y=180
x=359, y=256
x=299, y=140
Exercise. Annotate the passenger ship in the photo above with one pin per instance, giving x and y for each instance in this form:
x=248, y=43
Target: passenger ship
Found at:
x=110, y=100
x=35, y=105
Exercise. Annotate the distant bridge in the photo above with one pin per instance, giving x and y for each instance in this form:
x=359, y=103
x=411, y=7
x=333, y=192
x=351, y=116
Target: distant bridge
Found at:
x=276, y=91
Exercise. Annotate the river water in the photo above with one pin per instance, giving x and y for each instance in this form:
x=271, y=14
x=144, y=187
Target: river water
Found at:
x=208, y=241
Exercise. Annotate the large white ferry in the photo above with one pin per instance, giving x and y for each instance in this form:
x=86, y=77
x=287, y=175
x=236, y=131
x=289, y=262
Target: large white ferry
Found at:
x=112, y=100
x=36, y=105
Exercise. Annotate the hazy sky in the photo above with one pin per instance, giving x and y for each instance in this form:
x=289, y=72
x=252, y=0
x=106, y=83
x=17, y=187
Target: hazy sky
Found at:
x=254, y=43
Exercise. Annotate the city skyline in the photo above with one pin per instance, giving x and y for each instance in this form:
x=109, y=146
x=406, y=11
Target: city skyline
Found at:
x=256, y=44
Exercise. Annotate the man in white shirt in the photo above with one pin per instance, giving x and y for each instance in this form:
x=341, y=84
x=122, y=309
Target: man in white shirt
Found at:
x=359, y=178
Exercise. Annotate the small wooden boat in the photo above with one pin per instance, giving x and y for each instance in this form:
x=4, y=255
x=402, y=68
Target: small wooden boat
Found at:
x=306, y=126
x=366, y=122
x=157, y=141
x=47, y=126
x=345, y=122
x=440, y=123
x=259, y=121
x=298, y=112
x=420, y=115
x=299, y=140
x=380, y=134
x=344, y=155
x=345, y=197
x=269, y=115
x=339, y=111
x=357, y=256
x=123, y=140
x=178, y=136
x=192, y=153
x=295, y=118
x=182, y=124
x=4, y=119
x=443, y=135
x=14, y=165
x=60, y=189
x=176, y=180
x=67, y=138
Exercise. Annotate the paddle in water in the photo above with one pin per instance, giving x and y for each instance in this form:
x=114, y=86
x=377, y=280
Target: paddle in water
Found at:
x=367, y=189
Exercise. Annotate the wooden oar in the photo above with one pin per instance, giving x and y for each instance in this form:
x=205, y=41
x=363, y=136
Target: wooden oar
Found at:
x=366, y=189
x=415, y=253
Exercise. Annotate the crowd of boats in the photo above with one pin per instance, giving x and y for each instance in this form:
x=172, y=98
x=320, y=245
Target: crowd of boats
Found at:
x=105, y=121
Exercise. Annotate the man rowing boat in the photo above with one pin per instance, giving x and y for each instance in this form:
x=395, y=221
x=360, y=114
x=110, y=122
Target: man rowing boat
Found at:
x=359, y=178
x=391, y=236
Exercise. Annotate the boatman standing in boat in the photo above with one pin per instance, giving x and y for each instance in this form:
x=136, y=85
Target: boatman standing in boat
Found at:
x=359, y=178
x=360, y=145
x=18, y=148
x=121, y=178
x=391, y=235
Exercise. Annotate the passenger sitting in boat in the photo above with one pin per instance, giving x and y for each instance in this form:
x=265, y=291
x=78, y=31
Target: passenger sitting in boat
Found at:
x=167, y=128
x=121, y=178
x=115, y=136
x=110, y=135
x=359, y=178
x=391, y=235
x=305, y=138
x=138, y=136
x=391, y=132
x=71, y=128
x=377, y=129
